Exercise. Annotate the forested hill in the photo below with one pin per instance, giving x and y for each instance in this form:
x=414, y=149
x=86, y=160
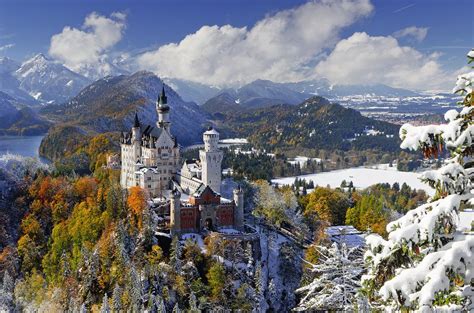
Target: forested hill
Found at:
x=109, y=105
x=315, y=123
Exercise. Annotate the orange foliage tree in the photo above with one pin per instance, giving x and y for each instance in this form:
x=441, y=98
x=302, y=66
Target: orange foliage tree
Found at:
x=137, y=203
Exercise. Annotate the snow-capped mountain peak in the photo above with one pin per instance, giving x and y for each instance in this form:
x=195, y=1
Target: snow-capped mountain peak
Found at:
x=48, y=81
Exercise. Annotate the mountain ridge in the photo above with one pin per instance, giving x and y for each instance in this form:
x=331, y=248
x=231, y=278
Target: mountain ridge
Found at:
x=110, y=103
x=39, y=80
x=316, y=123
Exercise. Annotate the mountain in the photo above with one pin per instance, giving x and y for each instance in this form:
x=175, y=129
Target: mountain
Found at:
x=314, y=124
x=10, y=85
x=48, y=81
x=257, y=94
x=109, y=104
x=39, y=80
x=192, y=91
x=265, y=93
x=377, y=90
x=322, y=87
x=7, y=108
x=101, y=69
x=18, y=119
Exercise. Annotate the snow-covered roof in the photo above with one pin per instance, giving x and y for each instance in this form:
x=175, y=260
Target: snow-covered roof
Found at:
x=146, y=169
x=193, y=167
x=225, y=200
x=346, y=234
x=211, y=131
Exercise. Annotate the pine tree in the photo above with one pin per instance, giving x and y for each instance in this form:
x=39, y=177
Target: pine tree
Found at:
x=336, y=279
x=8, y=283
x=176, y=309
x=259, y=283
x=105, y=305
x=273, y=292
x=83, y=308
x=426, y=263
x=117, y=299
x=175, y=255
x=135, y=287
x=249, y=258
x=151, y=305
x=193, y=305
x=6, y=293
x=160, y=304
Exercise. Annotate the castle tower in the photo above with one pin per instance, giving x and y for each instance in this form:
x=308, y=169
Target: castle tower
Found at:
x=211, y=160
x=163, y=110
x=136, y=128
x=130, y=154
x=239, y=208
x=136, y=139
x=175, y=212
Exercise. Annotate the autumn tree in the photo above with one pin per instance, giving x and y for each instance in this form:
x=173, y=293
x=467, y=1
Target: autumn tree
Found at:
x=216, y=279
x=328, y=205
x=137, y=203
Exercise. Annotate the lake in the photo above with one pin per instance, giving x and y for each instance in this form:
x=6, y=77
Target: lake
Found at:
x=23, y=145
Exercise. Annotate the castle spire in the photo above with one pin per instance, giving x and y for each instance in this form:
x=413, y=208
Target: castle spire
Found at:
x=136, y=122
x=162, y=99
x=163, y=109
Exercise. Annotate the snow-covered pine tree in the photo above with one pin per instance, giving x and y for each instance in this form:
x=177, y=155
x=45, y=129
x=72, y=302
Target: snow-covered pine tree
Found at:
x=426, y=263
x=175, y=254
x=160, y=304
x=83, y=308
x=193, y=305
x=135, y=287
x=176, y=309
x=117, y=299
x=259, y=283
x=6, y=293
x=336, y=279
x=105, y=305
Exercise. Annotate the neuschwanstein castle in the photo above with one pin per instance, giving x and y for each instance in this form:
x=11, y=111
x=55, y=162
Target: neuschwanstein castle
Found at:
x=190, y=191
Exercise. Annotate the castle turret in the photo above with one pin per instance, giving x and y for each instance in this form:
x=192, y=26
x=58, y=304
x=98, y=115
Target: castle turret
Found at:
x=163, y=110
x=211, y=160
x=136, y=142
x=239, y=208
x=136, y=132
x=175, y=212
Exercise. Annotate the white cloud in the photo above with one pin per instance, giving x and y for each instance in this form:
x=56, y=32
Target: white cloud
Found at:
x=6, y=47
x=280, y=47
x=417, y=33
x=363, y=59
x=85, y=50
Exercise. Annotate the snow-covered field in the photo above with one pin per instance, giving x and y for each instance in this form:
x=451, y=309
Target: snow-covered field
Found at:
x=361, y=177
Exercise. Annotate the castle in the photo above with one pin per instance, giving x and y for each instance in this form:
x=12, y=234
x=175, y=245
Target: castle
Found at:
x=150, y=159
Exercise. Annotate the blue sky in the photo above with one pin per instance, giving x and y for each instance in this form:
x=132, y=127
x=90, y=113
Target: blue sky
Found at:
x=442, y=30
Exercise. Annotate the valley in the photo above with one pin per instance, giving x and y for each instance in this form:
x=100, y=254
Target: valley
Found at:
x=236, y=156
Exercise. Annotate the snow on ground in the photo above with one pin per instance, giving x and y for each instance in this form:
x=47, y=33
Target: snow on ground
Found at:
x=230, y=231
x=302, y=160
x=361, y=177
x=197, y=238
x=466, y=218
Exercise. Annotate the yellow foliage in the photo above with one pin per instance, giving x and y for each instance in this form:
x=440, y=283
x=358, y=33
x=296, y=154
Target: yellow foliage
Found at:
x=137, y=203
